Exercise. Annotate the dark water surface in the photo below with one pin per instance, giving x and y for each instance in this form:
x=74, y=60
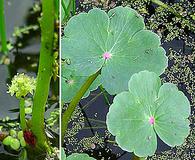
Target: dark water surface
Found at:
x=16, y=16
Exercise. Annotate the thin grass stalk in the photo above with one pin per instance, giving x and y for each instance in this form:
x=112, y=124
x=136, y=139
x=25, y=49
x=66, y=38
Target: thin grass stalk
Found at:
x=3, y=38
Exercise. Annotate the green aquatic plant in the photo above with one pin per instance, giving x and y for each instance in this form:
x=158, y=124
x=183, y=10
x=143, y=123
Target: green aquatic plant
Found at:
x=75, y=156
x=68, y=8
x=170, y=25
x=79, y=156
x=115, y=52
x=71, y=83
x=15, y=140
x=45, y=72
x=164, y=5
x=148, y=109
x=119, y=42
x=3, y=37
x=22, y=85
x=19, y=32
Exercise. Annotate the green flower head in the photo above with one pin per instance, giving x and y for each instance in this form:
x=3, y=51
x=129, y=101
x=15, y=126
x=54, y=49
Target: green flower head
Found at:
x=22, y=85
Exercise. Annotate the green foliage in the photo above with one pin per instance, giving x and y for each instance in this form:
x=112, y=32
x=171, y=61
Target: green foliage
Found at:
x=130, y=115
x=63, y=155
x=22, y=142
x=3, y=37
x=71, y=83
x=79, y=156
x=53, y=118
x=20, y=32
x=28, y=110
x=121, y=36
x=12, y=142
x=20, y=134
x=22, y=85
x=45, y=69
x=68, y=8
x=75, y=156
x=15, y=144
x=15, y=140
x=6, y=141
x=12, y=132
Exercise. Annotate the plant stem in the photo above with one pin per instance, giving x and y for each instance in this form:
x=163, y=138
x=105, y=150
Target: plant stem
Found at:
x=160, y=3
x=110, y=141
x=134, y=157
x=73, y=7
x=96, y=120
x=69, y=111
x=57, y=2
x=105, y=96
x=3, y=28
x=172, y=10
x=100, y=127
x=22, y=114
x=65, y=9
x=86, y=118
x=91, y=101
x=44, y=73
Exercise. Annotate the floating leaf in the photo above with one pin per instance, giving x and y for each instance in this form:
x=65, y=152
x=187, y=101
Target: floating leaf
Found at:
x=7, y=140
x=71, y=83
x=12, y=132
x=79, y=156
x=146, y=110
x=63, y=155
x=20, y=135
x=23, y=142
x=12, y=142
x=116, y=42
x=15, y=144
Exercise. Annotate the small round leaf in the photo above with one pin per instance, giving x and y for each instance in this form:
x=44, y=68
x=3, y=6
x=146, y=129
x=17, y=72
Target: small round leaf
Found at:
x=7, y=140
x=146, y=110
x=15, y=144
x=79, y=156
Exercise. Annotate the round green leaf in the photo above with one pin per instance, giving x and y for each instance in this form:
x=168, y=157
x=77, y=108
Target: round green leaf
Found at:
x=12, y=133
x=15, y=144
x=20, y=135
x=28, y=110
x=79, y=156
x=23, y=142
x=63, y=155
x=121, y=36
x=147, y=109
x=7, y=140
x=71, y=83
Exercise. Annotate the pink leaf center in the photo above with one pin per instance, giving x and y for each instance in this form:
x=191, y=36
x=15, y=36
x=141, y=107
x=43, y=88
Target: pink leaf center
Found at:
x=151, y=120
x=107, y=55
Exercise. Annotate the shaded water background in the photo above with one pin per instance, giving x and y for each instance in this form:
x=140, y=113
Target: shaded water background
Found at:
x=16, y=16
x=22, y=59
